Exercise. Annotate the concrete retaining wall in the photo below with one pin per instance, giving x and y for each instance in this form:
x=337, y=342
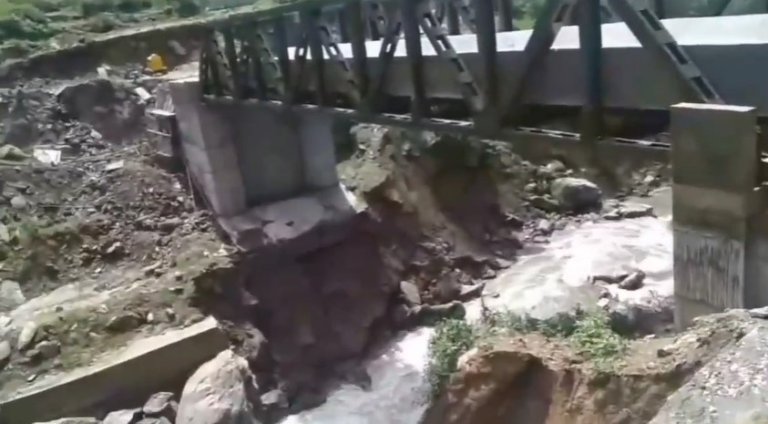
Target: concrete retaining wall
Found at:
x=123, y=380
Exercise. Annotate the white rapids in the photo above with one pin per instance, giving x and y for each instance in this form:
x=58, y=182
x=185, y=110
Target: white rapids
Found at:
x=541, y=283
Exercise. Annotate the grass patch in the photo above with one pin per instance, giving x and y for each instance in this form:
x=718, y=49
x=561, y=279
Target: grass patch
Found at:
x=588, y=332
x=452, y=339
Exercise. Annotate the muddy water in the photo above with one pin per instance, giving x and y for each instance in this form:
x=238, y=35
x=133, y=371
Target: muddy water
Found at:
x=541, y=283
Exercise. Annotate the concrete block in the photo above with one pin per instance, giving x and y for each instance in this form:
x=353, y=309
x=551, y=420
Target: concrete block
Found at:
x=270, y=155
x=146, y=366
x=217, y=124
x=224, y=158
x=293, y=226
x=224, y=190
x=715, y=146
x=197, y=158
x=318, y=151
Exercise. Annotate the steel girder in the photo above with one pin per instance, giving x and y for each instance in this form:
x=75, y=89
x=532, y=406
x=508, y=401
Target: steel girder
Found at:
x=250, y=58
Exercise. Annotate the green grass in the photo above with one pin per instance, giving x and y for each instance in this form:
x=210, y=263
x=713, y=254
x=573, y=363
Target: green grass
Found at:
x=452, y=339
x=588, y=333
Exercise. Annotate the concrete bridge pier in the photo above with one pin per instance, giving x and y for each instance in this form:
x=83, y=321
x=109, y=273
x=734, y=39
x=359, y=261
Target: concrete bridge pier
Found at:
x=720, y=248
x=269, y=175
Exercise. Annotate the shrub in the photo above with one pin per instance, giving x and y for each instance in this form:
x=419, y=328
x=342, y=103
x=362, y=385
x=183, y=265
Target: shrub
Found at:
x=594, y=338
x=101, y=23
x=15, y=49
x=186, y=8
x=20, y=26
x=452, y=339
x=130, y=6
x=90, y=8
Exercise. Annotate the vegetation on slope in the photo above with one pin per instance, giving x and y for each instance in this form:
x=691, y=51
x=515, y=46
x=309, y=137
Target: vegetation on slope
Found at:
x=588, y=333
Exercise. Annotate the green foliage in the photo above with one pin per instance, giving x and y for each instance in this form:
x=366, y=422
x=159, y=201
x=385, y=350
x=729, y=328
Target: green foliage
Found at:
x=452, y=339
x=16, y=49
x=89, y=8
x=23, y=22
x=101, y=23
x=589, y=333
x=186, y=8
x=132, y=6
x=594, y=338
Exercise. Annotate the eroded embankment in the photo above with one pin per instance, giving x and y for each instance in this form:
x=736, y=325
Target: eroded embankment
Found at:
x=443, y=216
x=535, y=379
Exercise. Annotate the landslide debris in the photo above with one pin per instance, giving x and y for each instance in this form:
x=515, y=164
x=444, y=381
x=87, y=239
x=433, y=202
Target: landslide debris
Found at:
x=97, y=247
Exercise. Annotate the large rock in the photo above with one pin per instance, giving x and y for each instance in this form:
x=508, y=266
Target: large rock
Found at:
x=219, y=392
x=161, y=405
x=576, y=194
x=731, y=389
x=11, y=295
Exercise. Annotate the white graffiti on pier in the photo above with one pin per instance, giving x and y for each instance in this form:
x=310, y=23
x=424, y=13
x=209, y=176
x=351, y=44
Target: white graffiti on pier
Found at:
x=709, y=268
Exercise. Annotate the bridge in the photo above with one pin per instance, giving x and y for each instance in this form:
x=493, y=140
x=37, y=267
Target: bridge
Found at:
x=623, y=84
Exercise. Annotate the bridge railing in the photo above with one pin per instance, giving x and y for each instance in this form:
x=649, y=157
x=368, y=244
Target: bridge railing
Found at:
x=288, y=54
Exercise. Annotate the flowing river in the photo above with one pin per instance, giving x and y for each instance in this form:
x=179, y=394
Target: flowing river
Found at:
x=540, y=283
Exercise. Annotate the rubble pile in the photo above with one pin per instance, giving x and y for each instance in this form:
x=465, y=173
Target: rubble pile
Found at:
x=96, y=241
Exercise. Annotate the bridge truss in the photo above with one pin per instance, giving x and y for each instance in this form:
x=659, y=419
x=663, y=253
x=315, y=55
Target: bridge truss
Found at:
x=316, y=56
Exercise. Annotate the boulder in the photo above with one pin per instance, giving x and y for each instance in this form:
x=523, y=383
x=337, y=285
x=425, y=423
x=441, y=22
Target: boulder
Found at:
x=27, y=335
x=48, y=349
x=410, y=293
x=219, y=392
x=432, y=314
x=124, y=416
x=576, y=194
x=629, y=211
x=161, y=405
x=11, y=295
x=5, y=352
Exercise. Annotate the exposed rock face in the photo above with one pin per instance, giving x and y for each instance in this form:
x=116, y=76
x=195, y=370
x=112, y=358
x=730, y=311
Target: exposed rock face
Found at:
x=534, y=380
x=219, y=392
x=576, y=194
x=320, y=308
x=730, y=389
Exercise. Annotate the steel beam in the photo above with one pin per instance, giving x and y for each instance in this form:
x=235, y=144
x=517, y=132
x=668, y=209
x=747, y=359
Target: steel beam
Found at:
x=553, y=17
x=652, y=34
x=410, y=17
x=591, y=42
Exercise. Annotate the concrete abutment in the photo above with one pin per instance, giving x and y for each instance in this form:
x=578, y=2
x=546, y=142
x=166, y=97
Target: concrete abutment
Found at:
x=718, y=211
x=269, y=175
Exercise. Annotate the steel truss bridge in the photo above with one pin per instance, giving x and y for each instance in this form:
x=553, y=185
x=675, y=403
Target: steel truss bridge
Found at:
x=608, y=69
